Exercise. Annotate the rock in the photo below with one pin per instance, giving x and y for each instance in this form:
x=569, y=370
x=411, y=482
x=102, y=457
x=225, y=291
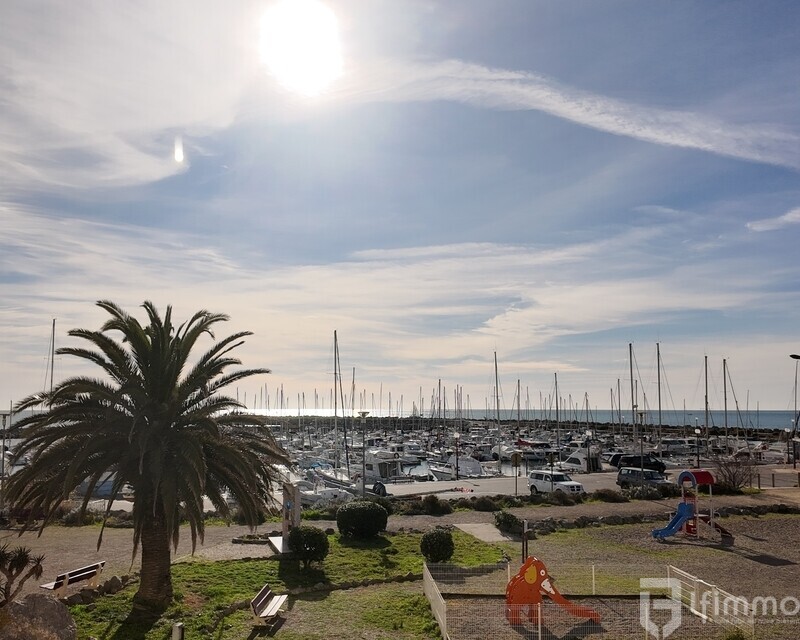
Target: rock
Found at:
x=37, y=616
x=114, y=584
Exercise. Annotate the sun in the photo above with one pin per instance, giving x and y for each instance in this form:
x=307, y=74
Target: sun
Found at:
x=300, y=45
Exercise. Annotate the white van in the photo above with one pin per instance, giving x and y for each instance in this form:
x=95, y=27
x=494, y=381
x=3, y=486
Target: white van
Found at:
x=545, y=482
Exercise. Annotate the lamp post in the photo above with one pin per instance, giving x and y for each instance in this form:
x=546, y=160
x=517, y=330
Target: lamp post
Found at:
x=456, y=436
x=697, y=444
x=796, y=359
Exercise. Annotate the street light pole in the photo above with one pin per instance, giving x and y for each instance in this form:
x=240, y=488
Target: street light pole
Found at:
x=796, y=359
x=697, y=444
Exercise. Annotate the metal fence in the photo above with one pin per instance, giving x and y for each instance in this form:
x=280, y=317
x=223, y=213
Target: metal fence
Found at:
x=709, y=602
x=605, y=603
x=771, y=479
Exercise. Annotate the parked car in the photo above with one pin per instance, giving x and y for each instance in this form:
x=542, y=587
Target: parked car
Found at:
x=546, y=482
x=628, y=477
x=646, y=461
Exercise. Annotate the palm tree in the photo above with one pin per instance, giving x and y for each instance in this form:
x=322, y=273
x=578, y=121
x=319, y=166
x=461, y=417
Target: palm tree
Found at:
x=157, y=421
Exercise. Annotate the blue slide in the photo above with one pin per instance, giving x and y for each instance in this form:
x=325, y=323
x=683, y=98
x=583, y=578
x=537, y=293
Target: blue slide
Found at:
x=684, y=513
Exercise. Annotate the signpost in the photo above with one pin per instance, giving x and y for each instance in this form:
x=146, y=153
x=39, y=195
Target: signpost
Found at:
x=516, y=458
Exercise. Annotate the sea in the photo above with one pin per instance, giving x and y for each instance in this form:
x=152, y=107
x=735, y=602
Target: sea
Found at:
x=755, y=419
x=696, y=417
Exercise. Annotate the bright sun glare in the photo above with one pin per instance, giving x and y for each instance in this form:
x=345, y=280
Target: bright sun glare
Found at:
x=300, y=45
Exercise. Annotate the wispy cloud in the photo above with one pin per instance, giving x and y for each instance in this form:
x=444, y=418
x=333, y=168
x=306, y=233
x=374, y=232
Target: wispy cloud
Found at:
x=435, y=308
x=772, y=224
x=490, y=88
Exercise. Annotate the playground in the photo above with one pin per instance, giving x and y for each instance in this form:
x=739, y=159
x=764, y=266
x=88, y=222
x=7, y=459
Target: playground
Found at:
x=738, y=559
x=467, y=605
x=689, y=515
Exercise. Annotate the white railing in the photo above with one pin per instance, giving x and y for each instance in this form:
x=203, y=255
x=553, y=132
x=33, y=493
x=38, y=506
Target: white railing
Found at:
x=434, y=596
x=711, y=603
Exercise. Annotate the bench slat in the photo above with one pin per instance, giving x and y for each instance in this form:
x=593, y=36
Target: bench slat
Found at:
x=88, y=572
x=273, y=607
x=266, y=605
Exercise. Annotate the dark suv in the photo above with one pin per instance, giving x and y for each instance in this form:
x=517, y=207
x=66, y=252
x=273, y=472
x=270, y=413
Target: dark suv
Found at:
x=647, y=461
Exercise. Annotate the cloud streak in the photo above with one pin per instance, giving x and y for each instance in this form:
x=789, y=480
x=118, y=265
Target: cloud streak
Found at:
x=773, y=224
x=489, y=88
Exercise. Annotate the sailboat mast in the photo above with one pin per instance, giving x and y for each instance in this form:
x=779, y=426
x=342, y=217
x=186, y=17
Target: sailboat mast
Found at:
x=725, y=398
x=658, y=363
x=335, y=401
x=52, y=353
x=496, y=390
x=633, y=396
x=558, y=424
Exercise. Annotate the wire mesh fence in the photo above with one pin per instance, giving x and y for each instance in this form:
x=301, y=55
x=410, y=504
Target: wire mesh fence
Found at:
x=600, y=601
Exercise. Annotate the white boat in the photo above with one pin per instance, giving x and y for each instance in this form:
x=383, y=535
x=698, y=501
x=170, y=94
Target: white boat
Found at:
x=467, y=467
x=580, y=461
x=314, y=495
x=378, y=467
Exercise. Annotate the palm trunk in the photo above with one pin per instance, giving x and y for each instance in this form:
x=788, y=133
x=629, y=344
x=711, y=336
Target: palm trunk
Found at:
x=155, y=584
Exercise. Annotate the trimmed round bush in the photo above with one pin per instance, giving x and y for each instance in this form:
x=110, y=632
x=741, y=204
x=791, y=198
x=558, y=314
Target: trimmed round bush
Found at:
x=361, y=519
x=308, y=544
x=437, y=545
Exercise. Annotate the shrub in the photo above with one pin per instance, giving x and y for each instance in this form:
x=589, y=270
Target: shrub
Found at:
x=433, y=506
x=386, y=503
x=361, y=519
x=609, y=495
x=308, y=544
x=463, y=503
x=507, y=522
x=643, y=492
x=75, y=518
x=563, y=499
x=437, y=545
x=510, y=502
x=485, y=503
x=17, y=565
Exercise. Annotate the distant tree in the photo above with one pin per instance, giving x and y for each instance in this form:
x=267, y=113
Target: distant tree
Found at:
x=16, y=566
x=733, y=473
x=157, y=420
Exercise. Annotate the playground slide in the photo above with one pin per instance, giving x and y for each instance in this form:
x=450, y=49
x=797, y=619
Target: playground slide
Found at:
x=727, y=536
x=684, y=513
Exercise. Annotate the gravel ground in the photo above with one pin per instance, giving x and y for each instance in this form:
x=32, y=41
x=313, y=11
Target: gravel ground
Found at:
x=764, y=554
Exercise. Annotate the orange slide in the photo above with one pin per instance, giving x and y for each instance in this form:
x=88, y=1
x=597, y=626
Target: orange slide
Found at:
x=527, y=588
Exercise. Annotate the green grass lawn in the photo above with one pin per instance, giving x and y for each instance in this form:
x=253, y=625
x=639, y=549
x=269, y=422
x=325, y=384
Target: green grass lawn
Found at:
x=204, y=590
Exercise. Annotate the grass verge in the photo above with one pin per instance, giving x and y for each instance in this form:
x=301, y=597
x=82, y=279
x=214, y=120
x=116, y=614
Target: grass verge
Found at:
x=205, y=591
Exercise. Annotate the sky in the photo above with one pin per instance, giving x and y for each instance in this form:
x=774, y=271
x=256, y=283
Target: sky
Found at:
x=544, y=181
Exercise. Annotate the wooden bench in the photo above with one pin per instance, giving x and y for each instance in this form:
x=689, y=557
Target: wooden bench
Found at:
x=63, y=580
x=266, y=605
